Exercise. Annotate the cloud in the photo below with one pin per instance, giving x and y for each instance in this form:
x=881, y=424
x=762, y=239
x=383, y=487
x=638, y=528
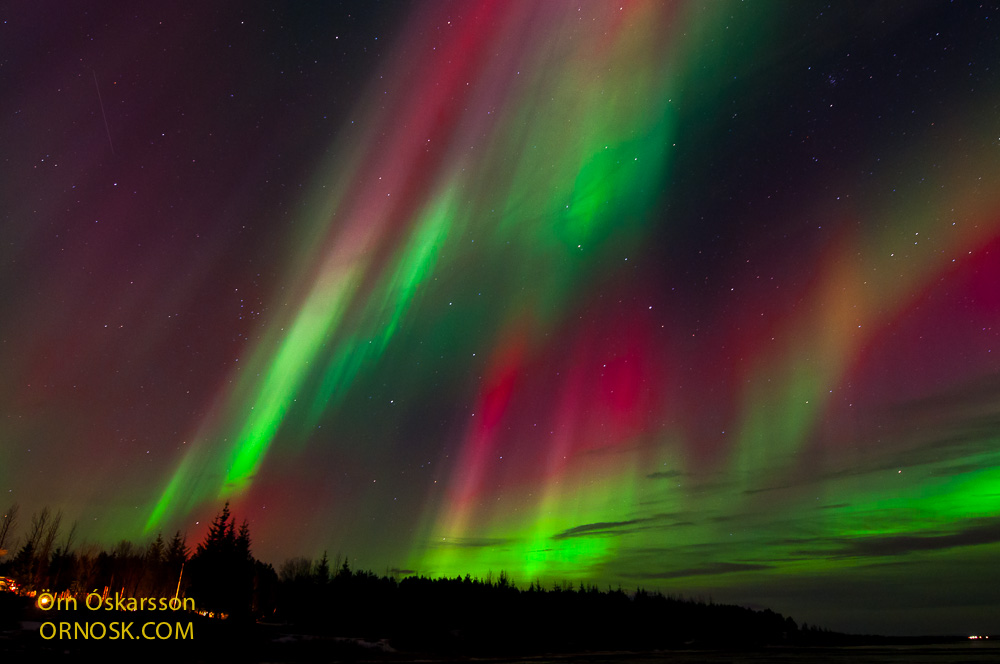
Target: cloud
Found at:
x=630, y=526
x=948, y=454
x=702, y=570
x=975, y=532
x=987, y=532
x=723, y=518
x=473, y=542
x=974, y=400
x=602, y=528
x=945, y=434
x=402, y=572
x=665, y=474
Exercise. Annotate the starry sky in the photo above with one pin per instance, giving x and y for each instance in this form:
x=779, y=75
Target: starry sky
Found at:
x=694, y=296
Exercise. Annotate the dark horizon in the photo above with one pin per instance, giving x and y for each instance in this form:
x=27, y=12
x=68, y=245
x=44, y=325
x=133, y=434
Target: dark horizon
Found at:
x=47, y=561
x=698, y=297
x=219, y=578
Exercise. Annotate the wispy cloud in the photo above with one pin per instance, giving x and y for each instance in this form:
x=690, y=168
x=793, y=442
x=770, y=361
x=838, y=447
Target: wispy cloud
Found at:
x=603, y=528
x=599, y=528
x=665, y=474
x=701, y=570
x=474, y=542
x=980, y=532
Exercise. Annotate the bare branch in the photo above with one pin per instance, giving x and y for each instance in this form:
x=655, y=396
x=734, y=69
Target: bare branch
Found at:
x=7, y=525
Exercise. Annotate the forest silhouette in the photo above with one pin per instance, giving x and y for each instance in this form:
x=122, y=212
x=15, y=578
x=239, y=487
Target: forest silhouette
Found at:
x=447, y=616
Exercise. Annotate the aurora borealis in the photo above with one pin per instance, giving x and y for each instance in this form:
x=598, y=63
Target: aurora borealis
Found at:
x=695, y=296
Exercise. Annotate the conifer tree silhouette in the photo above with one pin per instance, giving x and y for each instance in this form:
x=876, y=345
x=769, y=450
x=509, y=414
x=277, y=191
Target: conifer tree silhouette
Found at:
x=222, y=568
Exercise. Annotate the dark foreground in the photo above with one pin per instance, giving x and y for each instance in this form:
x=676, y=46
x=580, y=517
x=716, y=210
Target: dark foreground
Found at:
x=28, y=633
x=213, y=641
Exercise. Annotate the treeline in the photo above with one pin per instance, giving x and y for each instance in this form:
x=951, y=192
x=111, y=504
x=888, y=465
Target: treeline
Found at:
x=48, y=560
x=493, y=616
x=221, y=574
x=459, y=615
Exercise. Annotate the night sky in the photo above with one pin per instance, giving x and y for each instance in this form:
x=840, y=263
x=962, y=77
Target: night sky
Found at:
x=694, y=296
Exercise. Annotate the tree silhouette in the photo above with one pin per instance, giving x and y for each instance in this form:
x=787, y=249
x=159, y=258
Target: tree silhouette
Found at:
x=323, y=570
x=222, y=569
x=7, y=525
